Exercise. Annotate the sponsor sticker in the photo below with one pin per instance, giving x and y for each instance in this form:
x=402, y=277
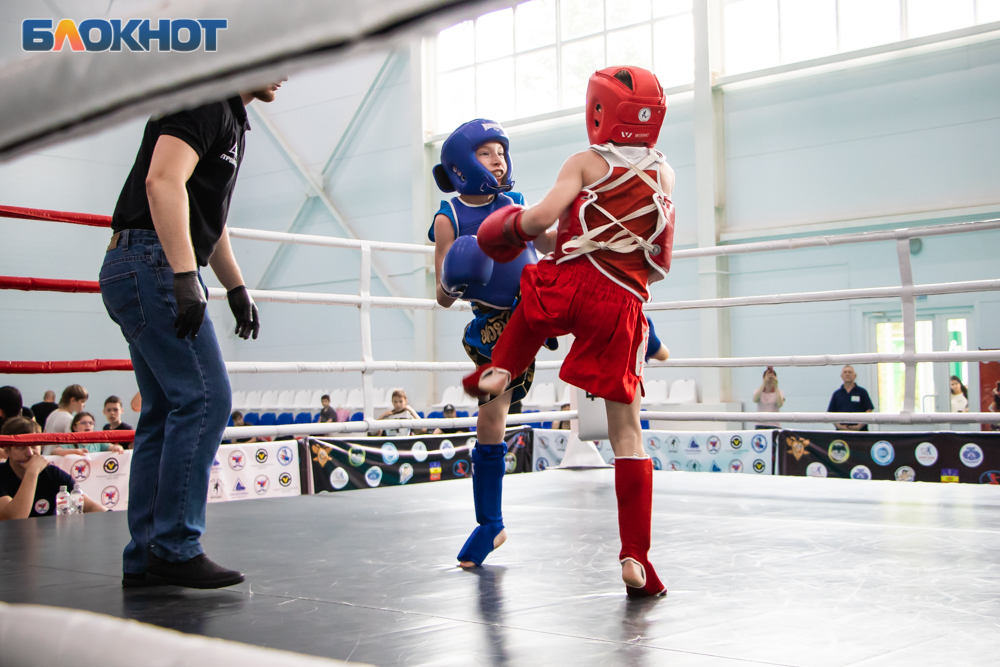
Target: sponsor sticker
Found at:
x=905, y=474
x=80, y=470
x=949, y=475
x=509, y=463
x=674, y=465
x=657, y=464
x=713, y=444
x=356, y=456
x=470, y=443
x=261, y=455
x=339, y=478
x=560, y=443
x=447, y=449
x=239, y=488
x=736, y=465
x=971, y=454
x=42, y=506
x=759, y=443
x=861, y=472
x=736, y=442
x=694, y=466
x=285, y=479
x=237, y=459
x=816, y=469
x=285, y=456
x=673, y=444
x=693, y=447
x=543, y=440
x=405, y=473
x=927, y=454
x=541, y=464
x=373, y=476
x=839, y=451
x=216, y=488
x=261, y=485
x=990, y=477
x=435, y=470
x=110, y=496
x=645, y=114
x=461, y=468
x=714, y=467
x=883, y=452
x=653, y=442
x=419, y=451
x=759, y=465
x=389, y=453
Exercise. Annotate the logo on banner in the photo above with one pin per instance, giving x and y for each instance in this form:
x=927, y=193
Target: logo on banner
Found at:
x=694, y=466
x=419, y=451
x=796, y=446
x=883, y=452
x=657, y=464
x=759, y=443
x=971, y=454
x=990, y=477
x=373, y=476
x=461, y=468
x=509, y=463
x=285, y=479
x=816, y=469
x=861, y=472
x=111, y=466
x=905, y=474
x=653, y=443
x=405, y=473
x=237, y=460
x=447, y=449
x=389, y=453
x=736, y=442
x=838, y=451
x=673, y=444
x=927, y=454
x=435, y=470
x=339, y=478
x=759, y=465
x=736, y=465
x=261, y=455
x=715, y=467
x=693, y=448
x=713, y=444
x=239, y=486
x=110, y=496
x=356, y=456
x=560, y=444
x=541, y=464
x=285, y=456
x=543, y=440
x=81, y=470
x=674, y=465
x=42, y=506
x=216, y=489
x=136, y=35
x=215, y=463
x=470, y=443
x=261, y=484
x=949, y=475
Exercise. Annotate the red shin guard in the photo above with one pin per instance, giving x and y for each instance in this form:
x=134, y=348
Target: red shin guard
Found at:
x=634, y=489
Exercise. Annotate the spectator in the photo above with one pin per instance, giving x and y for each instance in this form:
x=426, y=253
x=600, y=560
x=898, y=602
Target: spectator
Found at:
x=850, y=398
x=28, y=484
x=113, y=413
x=995, y=406
x=10, y=403
x=400, y=410
x=768, y=398
x=84, y=422
x=237, y=418
x=564, y=425
x=959, y=395
x=448, y=412
x=43, y=409
x=327, y=414
x=74, y=399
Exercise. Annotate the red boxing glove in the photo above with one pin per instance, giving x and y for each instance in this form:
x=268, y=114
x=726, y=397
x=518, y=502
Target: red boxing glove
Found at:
x=500, y=235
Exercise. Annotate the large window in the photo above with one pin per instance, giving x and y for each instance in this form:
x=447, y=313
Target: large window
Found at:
x=757, y=34
x=536, y=57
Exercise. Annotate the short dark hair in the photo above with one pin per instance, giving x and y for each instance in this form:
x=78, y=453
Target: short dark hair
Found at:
x=625, y=77
x=73, y=392
x=18, y=426
x=236, y=415
x=325, y=397
x=112, y=399
x=78, y=417
x=10, y=402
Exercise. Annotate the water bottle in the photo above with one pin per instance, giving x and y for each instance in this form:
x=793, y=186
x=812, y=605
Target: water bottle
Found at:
x=76, y=500
x=62, y=502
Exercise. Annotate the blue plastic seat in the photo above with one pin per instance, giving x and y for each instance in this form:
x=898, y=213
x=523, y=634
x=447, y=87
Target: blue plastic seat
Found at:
x=436, y=414
x=420, y=413
x=462, y=413
x=251, y=418
x=268, y=419
x=285, y=418
x=315, y=417
x=358, y=417
x=304, y=418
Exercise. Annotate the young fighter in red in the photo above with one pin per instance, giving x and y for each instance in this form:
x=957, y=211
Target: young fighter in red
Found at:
x=615, y=236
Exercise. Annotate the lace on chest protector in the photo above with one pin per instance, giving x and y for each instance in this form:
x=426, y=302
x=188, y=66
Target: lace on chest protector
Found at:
x=624, y=240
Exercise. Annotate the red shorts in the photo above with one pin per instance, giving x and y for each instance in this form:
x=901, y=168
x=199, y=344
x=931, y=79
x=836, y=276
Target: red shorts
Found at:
x=606, y=320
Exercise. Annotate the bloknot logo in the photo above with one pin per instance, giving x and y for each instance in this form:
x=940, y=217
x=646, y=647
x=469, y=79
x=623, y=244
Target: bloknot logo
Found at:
x=182, y=35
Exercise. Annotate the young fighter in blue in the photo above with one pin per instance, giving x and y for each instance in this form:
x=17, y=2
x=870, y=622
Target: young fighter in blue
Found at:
x=475, y=161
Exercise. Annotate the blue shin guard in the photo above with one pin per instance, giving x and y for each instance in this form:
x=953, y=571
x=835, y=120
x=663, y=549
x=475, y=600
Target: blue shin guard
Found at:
x=488, y=466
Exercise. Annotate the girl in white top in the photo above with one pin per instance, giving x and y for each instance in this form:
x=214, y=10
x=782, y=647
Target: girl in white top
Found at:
x=768, y=397
x=959, y=395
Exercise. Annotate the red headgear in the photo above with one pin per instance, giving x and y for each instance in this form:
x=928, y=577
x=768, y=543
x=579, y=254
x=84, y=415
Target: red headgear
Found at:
x=628, y=116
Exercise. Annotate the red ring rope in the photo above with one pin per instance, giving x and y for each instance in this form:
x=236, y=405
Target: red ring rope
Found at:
x=87, y=437
x=49, y=285
x=88, y=219
x=86, y=366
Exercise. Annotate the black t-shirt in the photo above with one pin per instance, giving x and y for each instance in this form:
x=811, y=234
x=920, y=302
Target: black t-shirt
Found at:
x=216, y=132
x=855, y=400
x=43, y=410
x=328, y=415
x=121, y=427
x=49, y=481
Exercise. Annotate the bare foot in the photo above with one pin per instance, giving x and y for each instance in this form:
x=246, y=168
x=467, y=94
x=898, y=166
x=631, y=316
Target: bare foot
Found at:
x=497, y=541
x=632, y=574
x=494, y=381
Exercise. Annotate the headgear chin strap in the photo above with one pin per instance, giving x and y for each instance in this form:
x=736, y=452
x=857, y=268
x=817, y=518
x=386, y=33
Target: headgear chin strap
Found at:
x=461, y=170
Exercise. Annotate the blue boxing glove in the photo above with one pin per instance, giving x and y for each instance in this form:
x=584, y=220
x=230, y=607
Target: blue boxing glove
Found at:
x=653, y=344
x=465, y=265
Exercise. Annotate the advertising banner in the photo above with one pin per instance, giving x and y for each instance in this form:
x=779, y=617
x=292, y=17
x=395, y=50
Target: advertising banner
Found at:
x=695, y=451
x=102, y=476
x=363, y=463
x=248, y=471
x=962, y=456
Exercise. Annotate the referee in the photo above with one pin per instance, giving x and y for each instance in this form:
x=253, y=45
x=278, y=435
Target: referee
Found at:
x=169, y=221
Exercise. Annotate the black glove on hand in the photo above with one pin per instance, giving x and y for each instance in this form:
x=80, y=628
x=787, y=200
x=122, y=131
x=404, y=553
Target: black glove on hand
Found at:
x=191, y=304
x=245, y=312
x=552, y=344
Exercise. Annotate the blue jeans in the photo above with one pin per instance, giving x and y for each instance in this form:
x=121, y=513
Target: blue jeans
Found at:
x=186, y=400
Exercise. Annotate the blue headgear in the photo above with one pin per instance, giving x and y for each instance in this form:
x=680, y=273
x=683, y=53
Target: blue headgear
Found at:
x=459, y=168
